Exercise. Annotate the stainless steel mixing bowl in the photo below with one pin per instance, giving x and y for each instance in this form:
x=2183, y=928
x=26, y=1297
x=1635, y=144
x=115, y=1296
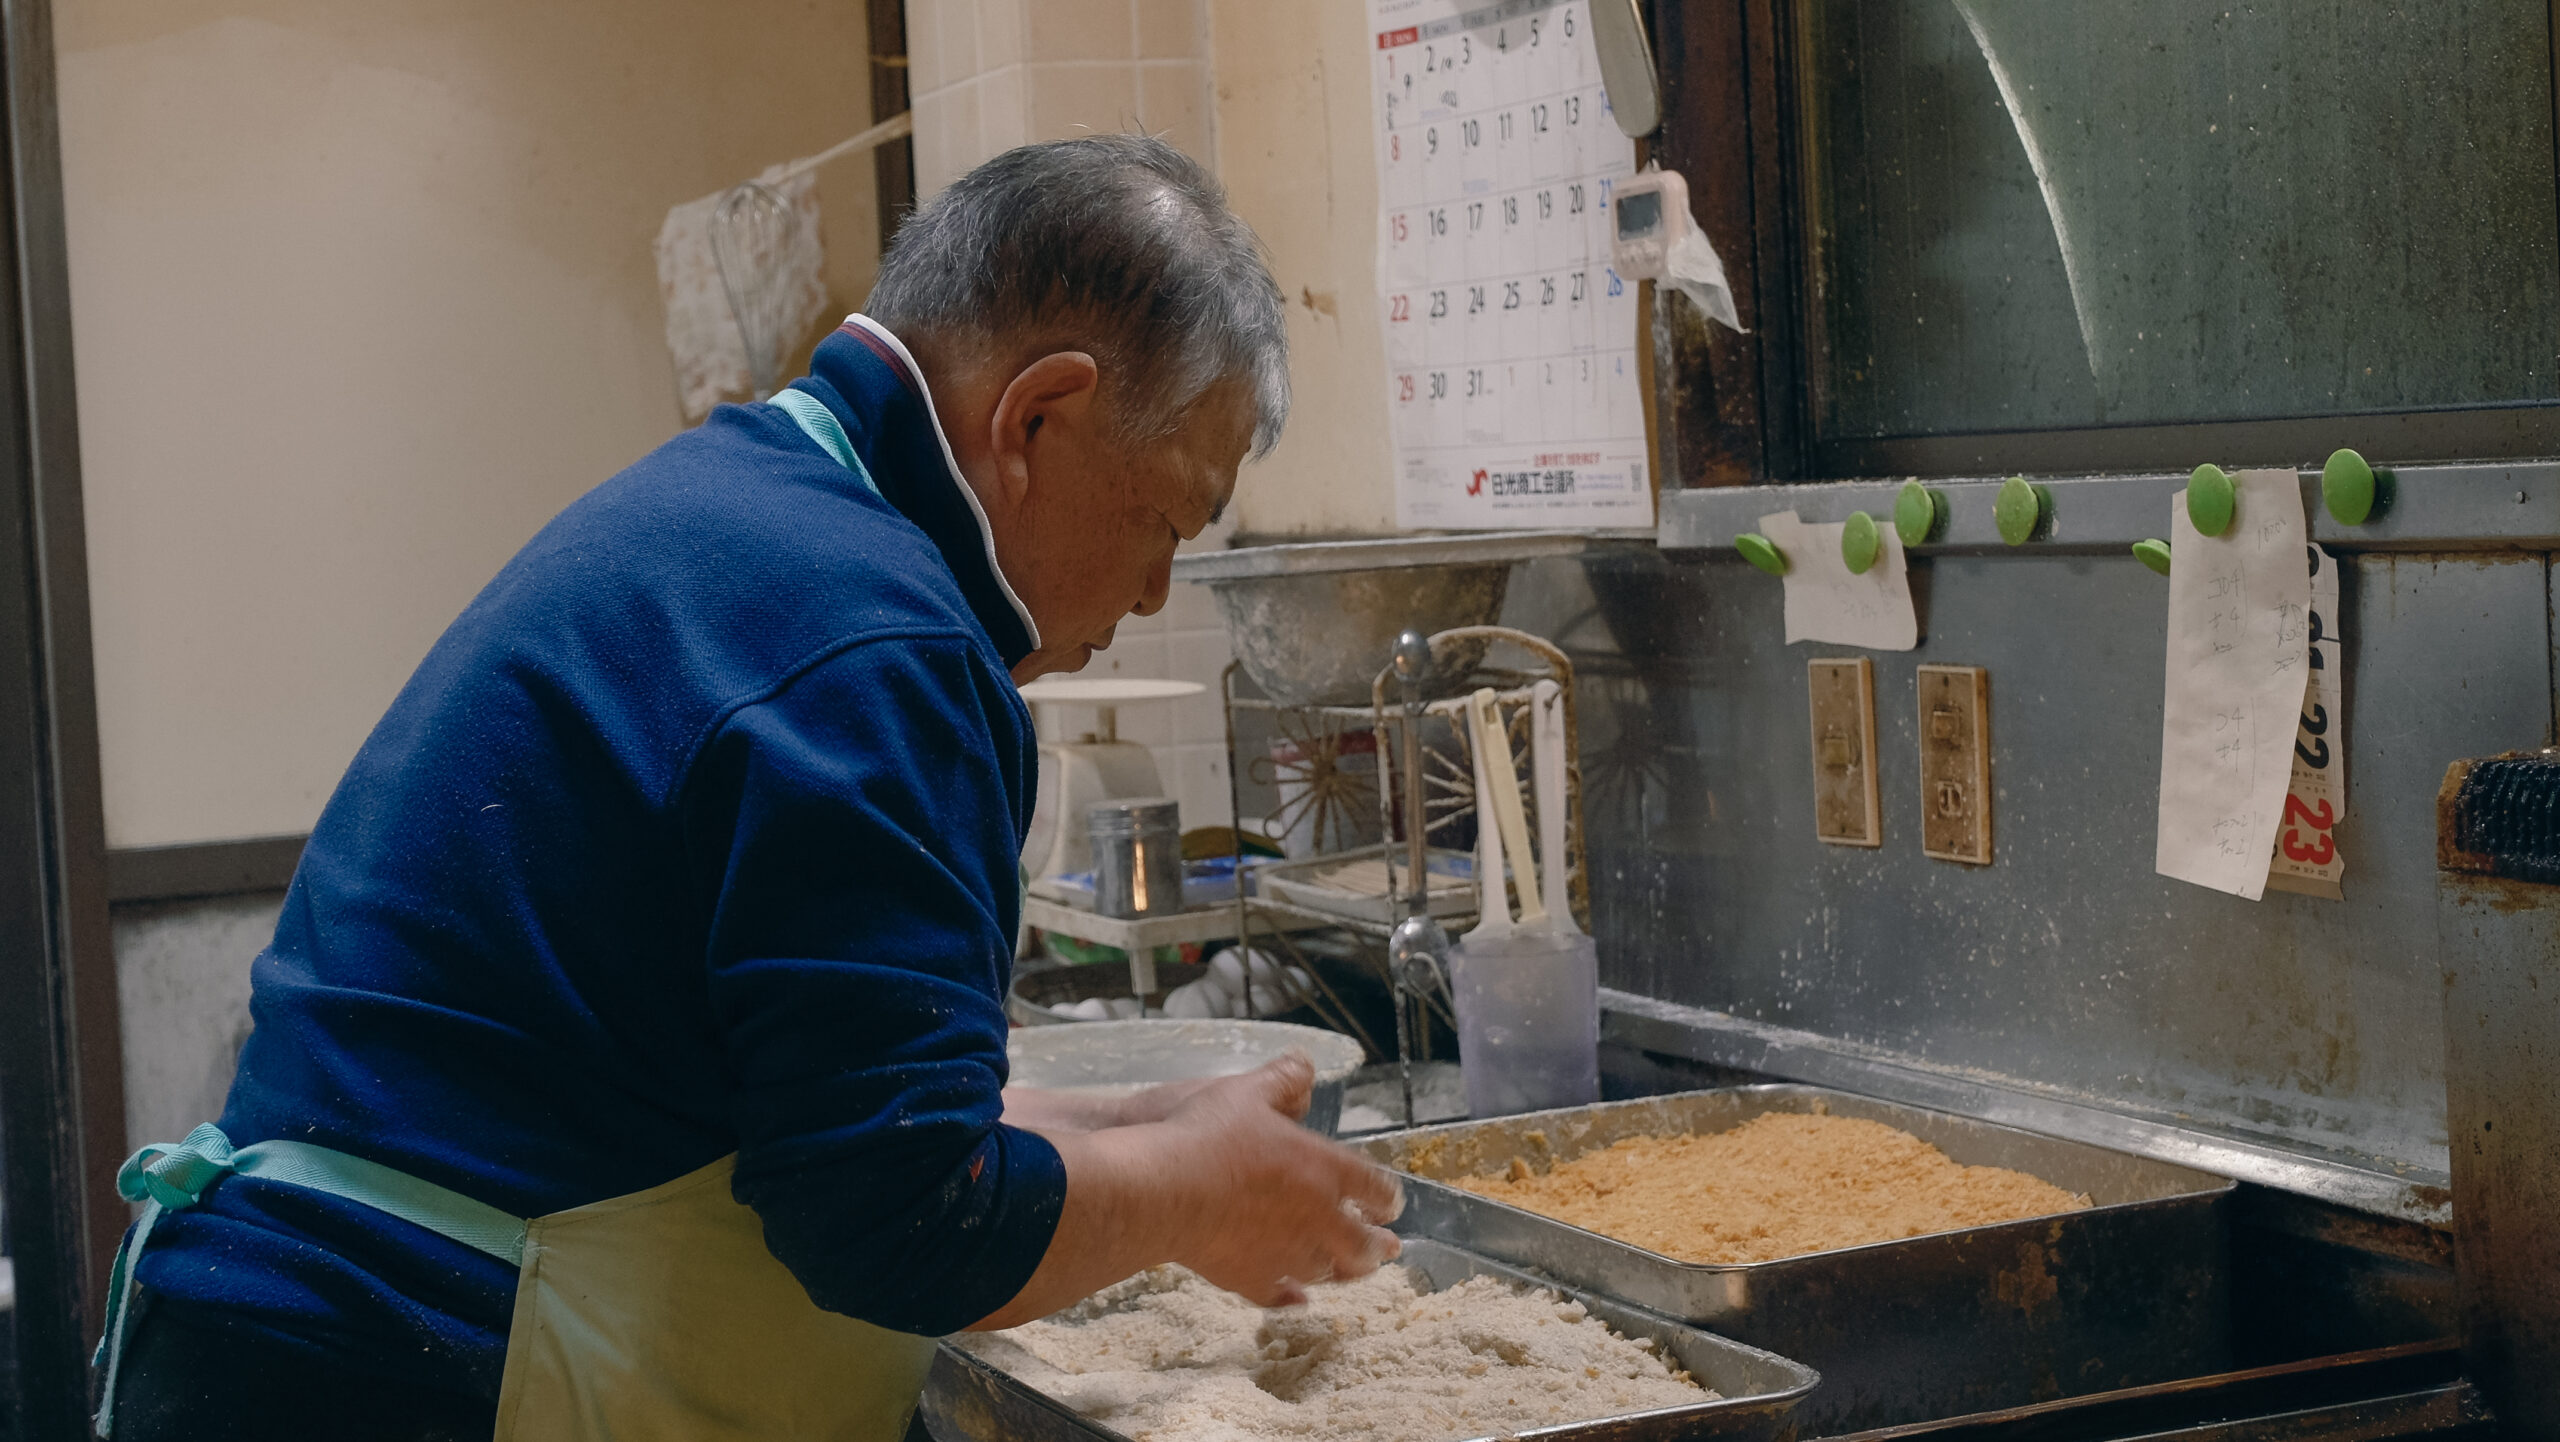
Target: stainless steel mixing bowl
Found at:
x=1321, y=638
x=1313, y=621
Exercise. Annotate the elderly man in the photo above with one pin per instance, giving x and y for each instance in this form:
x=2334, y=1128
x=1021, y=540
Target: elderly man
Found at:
x=629, y=1059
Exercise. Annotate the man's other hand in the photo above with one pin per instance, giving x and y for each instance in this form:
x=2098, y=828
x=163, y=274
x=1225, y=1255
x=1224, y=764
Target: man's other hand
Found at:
x=1283, y=1206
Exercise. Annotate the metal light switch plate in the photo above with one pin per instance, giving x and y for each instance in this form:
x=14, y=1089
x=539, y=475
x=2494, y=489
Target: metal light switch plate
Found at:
x=1845, y=812
x=1955, y=763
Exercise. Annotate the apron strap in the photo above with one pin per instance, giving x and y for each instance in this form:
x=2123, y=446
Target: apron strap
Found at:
x=169, y=1178
x=821, y=426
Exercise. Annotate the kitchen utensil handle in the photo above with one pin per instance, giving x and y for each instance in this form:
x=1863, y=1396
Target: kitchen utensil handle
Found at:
x=1546, y=751
x=1493, y=907
x=1491, y=742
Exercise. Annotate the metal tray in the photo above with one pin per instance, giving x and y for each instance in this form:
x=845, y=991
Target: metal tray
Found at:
x=2132, y=1291
x=967, y=1400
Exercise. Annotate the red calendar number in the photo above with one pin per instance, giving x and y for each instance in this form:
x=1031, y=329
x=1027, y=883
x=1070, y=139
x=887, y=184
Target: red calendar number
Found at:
x=2322, y=848
x=1404, y=386
x=1400, y=308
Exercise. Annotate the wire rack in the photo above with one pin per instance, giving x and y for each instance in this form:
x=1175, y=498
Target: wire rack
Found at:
x=1337, y=765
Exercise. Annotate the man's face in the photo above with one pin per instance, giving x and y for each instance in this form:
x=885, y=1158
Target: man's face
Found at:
x=1099, y=522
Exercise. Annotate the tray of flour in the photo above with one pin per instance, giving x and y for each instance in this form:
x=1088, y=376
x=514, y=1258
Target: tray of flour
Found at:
x=1440, y=1346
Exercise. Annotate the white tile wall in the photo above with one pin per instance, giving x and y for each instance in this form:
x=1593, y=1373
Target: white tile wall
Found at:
x=1185, y=641
x=992, y=74
x=988, y=75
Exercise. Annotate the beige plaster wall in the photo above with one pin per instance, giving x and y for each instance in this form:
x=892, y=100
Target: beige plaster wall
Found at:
x=362, y=295
x=1291, y=87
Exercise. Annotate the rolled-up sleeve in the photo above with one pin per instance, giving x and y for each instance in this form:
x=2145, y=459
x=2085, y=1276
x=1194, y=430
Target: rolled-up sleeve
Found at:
x=856, y=833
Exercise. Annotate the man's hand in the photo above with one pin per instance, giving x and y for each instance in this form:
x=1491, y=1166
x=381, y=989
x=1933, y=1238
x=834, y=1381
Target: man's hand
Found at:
x=1227, y=1183
x=1286, y=1207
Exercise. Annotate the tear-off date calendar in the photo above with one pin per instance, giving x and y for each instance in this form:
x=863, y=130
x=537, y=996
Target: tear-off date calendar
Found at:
x=1511, y=365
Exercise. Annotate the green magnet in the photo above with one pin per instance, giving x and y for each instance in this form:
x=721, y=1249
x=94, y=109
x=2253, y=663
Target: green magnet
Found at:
x=1919, y=513
x=1760, y=551
x=2347, y=487
x=1859, y=542
x=2154, y=554
x=2211, y=499
x=2020, y=510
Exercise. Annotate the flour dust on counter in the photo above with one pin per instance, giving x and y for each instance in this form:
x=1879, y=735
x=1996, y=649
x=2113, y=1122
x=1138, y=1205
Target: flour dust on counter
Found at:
x=1513, y=394
x=1167, y=1357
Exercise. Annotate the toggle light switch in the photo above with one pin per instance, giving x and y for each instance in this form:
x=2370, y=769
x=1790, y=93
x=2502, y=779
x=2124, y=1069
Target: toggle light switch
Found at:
x=1955, y=763
x=1845, y=811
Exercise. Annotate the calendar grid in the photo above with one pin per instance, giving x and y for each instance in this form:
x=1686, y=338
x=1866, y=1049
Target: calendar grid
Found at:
x=1512, y=397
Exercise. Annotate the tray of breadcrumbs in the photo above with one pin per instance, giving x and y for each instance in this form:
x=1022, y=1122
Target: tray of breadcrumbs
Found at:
x=1439, y=1346
x=1928, y=1265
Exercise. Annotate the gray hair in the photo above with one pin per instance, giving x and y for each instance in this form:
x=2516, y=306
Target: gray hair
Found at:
x=1116, y=245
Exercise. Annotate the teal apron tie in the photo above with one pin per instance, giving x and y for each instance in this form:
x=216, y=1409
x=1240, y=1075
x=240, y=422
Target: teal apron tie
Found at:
x=822, y=426
x=166, y=1178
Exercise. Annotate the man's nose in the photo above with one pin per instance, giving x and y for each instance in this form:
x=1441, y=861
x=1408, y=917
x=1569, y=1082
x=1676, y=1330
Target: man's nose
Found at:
x=1159, y=588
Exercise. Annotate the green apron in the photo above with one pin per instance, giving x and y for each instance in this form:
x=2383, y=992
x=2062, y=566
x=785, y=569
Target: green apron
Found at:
x=655, y=1317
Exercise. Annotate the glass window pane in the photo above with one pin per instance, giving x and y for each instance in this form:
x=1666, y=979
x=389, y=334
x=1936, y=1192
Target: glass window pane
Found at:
x=2029, y=215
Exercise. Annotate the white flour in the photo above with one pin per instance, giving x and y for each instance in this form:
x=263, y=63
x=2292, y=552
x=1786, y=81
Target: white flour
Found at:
x=1166, y=1357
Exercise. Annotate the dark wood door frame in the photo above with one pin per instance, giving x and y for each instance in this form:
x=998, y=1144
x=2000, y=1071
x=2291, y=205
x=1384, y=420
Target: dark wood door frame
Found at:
x=61, y=1058
x=894, y=164
x=1729, y=407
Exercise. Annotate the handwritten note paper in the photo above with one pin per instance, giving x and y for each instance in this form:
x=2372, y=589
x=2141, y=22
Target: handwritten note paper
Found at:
x=2239, y=646
x=1826, y=603
x=2307, y=859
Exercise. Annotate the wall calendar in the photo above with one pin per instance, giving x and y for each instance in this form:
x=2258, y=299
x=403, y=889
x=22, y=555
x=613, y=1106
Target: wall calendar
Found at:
x=1511, y=365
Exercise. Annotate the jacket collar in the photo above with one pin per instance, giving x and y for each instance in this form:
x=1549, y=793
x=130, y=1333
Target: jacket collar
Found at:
x=866, y=376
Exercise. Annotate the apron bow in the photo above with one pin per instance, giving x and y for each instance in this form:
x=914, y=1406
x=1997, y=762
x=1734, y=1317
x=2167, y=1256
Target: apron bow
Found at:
x=176, y=1176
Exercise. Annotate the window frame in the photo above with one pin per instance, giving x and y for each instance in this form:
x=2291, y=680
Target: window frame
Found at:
x=1737, y=409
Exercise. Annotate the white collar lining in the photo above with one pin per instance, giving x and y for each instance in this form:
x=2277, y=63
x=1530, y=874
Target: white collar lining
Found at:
x=986, y=532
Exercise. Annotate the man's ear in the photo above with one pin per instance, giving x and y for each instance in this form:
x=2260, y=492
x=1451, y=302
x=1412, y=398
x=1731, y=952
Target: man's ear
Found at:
x=1048, y=406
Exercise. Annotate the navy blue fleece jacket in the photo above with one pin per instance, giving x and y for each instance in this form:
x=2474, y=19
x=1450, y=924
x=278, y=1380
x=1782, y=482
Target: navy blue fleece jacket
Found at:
x=696, y=833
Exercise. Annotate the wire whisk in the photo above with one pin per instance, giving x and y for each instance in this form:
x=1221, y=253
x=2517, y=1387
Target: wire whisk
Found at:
x=752, y=234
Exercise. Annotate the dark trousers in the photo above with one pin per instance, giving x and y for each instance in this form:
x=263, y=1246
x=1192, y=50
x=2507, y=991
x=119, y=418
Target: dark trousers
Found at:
x=187, y=1383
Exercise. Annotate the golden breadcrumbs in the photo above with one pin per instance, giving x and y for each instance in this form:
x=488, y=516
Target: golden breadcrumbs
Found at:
x=1780, y=1185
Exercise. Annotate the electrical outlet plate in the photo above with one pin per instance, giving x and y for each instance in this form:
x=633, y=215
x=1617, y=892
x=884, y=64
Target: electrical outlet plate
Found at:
x=1845, y=812
x=1955, y=763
